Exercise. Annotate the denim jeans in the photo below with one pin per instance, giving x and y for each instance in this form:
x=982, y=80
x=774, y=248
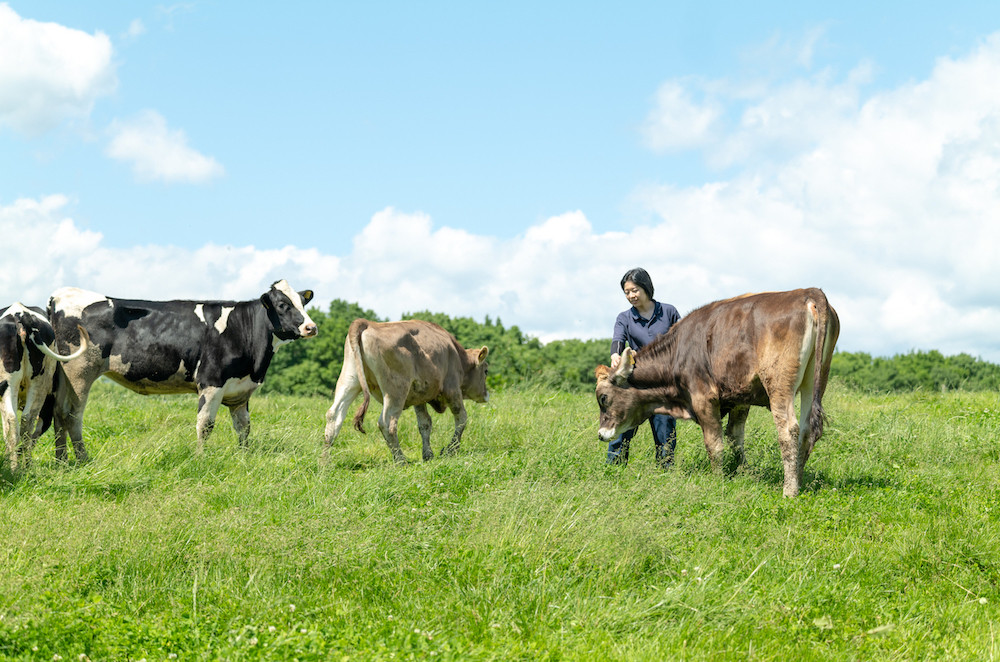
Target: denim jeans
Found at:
x=664, y=438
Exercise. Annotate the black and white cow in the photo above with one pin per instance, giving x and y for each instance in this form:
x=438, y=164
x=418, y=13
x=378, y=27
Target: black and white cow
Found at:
x=218, y=349
x=27, y=365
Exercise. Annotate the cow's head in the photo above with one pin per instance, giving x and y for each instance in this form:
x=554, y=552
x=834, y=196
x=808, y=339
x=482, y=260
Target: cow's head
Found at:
x=286, y=311
x=621, y=407
x=474, y=380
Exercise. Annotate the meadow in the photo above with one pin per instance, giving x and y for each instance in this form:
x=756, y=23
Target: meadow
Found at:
x=524, y=546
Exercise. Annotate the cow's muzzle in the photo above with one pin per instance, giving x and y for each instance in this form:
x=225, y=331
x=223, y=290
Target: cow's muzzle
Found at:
x=308, y=330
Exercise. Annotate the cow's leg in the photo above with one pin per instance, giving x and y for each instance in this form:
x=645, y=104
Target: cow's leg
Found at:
x=458, y=409
x=29, y=417
x=71, y=394
x=388, y=423
x=209, y=400
x=710, y=419
x=735, y=431
x=424, y=424
x=348, y=389
x=8, y=413
x=807, y=436
x=69, y=421
x=783, y=411
x=241, y=421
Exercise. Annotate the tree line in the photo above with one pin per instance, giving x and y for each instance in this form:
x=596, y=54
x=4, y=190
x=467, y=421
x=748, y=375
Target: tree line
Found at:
x=311, y=367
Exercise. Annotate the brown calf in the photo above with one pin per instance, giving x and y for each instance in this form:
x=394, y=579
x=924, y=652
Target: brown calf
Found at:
x=412, y=363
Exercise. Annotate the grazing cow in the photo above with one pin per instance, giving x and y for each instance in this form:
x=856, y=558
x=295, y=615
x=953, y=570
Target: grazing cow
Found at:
x=27, y=366
x=412, y=363
x=756, y=349
x=217, y=349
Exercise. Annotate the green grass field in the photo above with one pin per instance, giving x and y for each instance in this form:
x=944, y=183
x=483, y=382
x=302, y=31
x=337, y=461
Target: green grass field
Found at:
x=523, y=546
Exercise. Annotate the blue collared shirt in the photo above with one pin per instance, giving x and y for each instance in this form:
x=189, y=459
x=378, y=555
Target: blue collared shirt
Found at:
x=637, y=331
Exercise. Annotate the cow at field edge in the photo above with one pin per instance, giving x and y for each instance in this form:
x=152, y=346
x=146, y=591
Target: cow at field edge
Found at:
x=756, y=349
x=218, y=349
x=412, y=363
x=27, y=366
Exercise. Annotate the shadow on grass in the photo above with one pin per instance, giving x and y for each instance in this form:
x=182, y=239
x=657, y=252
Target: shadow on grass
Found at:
x=819, y=481
x=116, y=491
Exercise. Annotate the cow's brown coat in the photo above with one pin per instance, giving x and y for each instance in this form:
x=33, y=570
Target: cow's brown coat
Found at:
x=723, y=358
x=412, y=363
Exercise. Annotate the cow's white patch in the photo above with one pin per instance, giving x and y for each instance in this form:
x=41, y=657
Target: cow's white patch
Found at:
x=222, y=322
x=72, y=300
x=176, y=383
x=238, y=389
x=199, y=312
x=14, y=309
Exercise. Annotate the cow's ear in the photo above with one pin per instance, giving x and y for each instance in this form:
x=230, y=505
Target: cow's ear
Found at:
x=624, y=370
x=306, y=295
x=266, y=300
x=483, y=352
x=601, y=373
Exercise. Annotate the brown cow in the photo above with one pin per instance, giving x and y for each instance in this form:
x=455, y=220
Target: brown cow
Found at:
x=412, y=363
x=756, y=349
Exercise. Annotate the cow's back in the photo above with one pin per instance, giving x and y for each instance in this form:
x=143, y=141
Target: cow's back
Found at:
x=735, y=347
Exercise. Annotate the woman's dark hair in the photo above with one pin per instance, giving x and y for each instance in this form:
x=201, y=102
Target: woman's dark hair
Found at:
x=640, y=278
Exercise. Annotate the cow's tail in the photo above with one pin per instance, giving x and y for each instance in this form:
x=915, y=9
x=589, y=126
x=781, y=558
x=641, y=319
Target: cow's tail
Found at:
x=354, y=342
x=828, y=329
x=84, y=343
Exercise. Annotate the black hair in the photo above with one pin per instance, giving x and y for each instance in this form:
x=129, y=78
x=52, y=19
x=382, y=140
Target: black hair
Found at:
x=640, y=277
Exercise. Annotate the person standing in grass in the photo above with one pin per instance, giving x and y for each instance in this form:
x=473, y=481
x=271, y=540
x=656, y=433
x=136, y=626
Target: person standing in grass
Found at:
x=646, y=320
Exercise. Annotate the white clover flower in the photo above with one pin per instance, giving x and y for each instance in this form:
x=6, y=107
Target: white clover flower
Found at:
x=836, y=566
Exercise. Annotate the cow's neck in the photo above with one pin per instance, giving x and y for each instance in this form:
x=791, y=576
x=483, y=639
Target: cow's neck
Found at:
x=260, y=340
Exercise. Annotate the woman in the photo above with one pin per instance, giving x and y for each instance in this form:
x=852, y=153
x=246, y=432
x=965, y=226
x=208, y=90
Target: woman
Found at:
x=639, y=326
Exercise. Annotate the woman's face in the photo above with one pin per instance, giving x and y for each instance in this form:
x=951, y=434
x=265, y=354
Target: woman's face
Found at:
x=635, y=294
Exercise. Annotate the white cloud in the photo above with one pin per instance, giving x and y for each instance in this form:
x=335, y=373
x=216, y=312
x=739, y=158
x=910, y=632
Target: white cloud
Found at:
x=678, y=122
x=49, y=73
x=135, y=29
x=159, y=153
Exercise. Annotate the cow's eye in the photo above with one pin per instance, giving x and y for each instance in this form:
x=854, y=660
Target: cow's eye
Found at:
x=603, y=401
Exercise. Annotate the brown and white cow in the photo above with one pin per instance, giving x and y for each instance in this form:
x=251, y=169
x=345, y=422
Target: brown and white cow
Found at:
x=723, y=358
x=27, y=367
x=412, y=363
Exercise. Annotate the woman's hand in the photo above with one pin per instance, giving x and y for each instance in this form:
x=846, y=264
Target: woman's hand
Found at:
x=615, y=360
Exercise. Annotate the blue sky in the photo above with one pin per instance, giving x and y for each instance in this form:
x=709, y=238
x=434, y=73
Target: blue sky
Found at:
x=512, y=160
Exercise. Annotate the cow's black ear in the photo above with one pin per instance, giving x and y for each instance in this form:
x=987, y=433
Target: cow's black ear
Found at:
x=306, y=295
x=266, y=300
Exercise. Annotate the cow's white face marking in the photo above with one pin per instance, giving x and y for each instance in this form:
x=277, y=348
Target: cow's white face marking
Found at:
x=72, y=300
x=293, y=296
x=606, y=434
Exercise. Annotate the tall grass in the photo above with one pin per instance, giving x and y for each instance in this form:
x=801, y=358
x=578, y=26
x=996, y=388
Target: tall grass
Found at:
x=525, y=545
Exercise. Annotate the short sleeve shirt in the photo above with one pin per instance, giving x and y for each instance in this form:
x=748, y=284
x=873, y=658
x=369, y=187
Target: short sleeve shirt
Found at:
x=637, y=331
